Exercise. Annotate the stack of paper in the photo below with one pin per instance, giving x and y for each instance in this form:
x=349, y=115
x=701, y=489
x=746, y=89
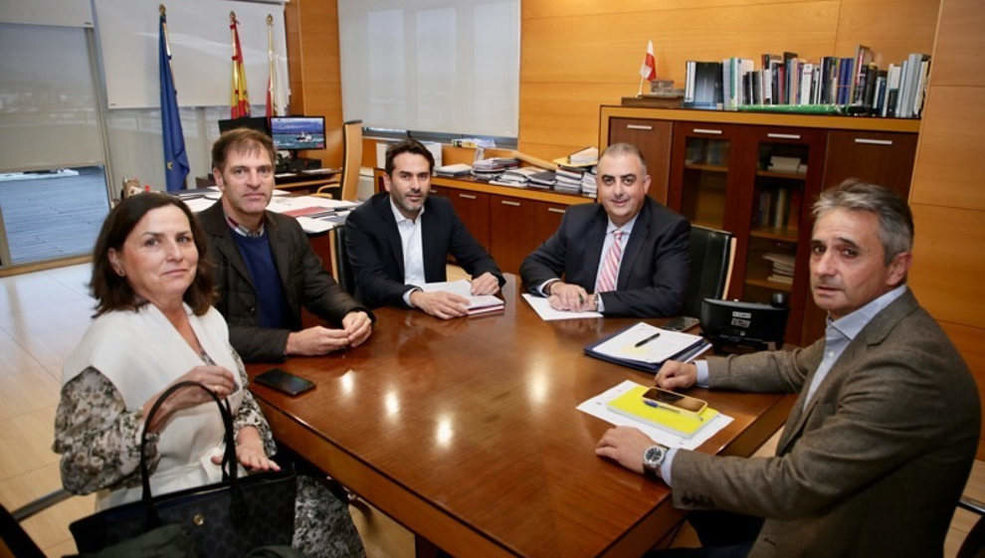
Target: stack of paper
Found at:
x=458, y=169
x=646, y=347
x=589, y=187
x=543, y=179
x=598, y=406
x=568, y=181
x=632, y=405
x=478, y=304
x=516, y=178
x=782, y=266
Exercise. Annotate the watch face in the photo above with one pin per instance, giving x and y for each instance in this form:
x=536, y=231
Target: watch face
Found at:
x=653, y=456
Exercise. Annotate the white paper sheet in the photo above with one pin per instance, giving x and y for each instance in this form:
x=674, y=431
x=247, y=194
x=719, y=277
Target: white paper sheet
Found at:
x=598, y=407
x=655, y=349
x=546, y=313
x=464, y=289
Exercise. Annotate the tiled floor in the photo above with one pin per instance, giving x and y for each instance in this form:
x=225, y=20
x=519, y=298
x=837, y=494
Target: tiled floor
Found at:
x=42, y=317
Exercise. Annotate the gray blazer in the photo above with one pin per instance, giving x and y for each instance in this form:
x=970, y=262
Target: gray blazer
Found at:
x=876, y=463
x=303, y=279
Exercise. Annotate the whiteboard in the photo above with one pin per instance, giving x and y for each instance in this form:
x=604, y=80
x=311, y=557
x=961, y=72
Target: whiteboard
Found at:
x=201, y=50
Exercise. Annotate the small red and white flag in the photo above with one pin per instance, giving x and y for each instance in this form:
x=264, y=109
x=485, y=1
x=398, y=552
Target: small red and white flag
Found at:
x=648, y=70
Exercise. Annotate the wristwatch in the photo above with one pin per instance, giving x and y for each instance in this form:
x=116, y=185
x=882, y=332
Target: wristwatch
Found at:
x=653, y=458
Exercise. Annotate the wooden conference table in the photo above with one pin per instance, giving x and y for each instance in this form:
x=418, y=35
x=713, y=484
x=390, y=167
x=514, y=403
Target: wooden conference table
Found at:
x=466, y=432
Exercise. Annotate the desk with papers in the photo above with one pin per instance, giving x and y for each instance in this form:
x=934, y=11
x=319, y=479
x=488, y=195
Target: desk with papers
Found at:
x=467, y=432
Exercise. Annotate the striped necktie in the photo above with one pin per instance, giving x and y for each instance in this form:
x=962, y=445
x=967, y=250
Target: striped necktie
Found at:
x=610, y=269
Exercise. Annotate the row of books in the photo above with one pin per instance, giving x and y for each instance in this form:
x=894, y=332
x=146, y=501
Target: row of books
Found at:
x=777, y=208
x=856, y=84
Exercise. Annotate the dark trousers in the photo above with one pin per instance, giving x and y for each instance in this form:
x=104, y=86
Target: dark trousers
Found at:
x=722, y=535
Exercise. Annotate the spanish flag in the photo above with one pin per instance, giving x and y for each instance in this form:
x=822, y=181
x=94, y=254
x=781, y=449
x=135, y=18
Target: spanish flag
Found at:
x=240, y=101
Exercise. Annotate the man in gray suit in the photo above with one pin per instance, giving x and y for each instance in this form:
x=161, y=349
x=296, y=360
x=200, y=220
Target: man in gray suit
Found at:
x=879, y=444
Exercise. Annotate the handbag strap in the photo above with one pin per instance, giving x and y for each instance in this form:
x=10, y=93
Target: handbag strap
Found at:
x=228, y=458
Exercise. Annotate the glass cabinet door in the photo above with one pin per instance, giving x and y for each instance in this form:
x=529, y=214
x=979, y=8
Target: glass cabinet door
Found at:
x=705, y=181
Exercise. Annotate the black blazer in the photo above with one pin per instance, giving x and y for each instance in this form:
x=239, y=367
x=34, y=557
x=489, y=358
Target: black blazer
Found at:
x=373, y=245
x=303, y=279
x=655, y=263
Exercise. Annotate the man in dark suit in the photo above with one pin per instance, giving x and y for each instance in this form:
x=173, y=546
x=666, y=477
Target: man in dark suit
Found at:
x=882, y=436
x=399, y=240
x=265, y=268
x=628, y=250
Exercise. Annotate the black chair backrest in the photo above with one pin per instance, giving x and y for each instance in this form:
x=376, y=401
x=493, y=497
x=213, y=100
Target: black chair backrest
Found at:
x=711, y=252
x=14, y=539
x=342, y=266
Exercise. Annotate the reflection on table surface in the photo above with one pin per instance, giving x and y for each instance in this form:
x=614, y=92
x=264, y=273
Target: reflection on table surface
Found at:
x=466, y=432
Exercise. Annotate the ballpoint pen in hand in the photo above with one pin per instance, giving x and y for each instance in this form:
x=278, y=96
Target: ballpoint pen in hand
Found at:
x=647, y=340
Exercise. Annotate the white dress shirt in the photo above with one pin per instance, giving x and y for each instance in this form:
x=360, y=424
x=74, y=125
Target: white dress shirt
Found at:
x=413, y=248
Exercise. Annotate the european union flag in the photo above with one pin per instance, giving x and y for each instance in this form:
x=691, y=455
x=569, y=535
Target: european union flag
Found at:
x=175, y=159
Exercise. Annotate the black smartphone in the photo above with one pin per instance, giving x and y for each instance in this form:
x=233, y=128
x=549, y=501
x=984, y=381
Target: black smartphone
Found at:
x=284, y=382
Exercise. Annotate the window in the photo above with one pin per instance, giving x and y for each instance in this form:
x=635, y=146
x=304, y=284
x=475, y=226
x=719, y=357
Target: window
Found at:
x=449, y=66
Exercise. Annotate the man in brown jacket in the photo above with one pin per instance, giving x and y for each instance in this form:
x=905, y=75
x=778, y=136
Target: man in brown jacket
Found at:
x=879, y=444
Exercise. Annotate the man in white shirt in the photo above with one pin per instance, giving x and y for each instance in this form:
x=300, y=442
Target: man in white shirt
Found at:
x=876, y=451
x=399, y=240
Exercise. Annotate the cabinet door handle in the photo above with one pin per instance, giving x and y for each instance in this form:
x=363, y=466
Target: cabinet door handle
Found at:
x=869, y=141
x=707, y=131
x=783, y=136
x=556, y=210
x=513, y=203
x=467, y=196
x=638, y=127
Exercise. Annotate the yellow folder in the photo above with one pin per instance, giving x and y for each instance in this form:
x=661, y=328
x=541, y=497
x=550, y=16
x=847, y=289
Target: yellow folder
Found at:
x=683, y=424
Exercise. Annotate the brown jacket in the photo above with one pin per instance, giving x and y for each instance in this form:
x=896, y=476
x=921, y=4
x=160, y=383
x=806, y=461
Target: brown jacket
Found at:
x=876, y=463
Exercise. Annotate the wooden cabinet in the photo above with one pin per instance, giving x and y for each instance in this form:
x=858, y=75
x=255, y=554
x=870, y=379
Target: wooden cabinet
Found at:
x=757, y=176
x=472, y=208
x=882, y=158
x=654, y=138
x=518, y=227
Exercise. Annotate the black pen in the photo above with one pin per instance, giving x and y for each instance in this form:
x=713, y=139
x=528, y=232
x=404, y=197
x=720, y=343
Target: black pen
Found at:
x=647, y=340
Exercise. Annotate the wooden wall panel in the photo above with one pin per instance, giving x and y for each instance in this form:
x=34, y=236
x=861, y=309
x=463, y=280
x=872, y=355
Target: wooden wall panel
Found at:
x=948, y=266
x=610, y=46
x=950, y=168
x=962, y=37
x=892, y=28
x=316, y=83
x=945, y=195
x=968, y=341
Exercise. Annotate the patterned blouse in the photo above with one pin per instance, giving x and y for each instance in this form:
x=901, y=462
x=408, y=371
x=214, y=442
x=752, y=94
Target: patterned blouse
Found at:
x=99, y=439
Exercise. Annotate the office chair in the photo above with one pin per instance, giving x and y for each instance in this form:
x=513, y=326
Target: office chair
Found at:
x=974, y=543
x=352, y=156
x=341, y=265
x=712, y=257
x=14, y=540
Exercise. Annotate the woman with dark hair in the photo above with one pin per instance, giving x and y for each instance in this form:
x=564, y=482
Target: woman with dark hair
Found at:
x=155, y=326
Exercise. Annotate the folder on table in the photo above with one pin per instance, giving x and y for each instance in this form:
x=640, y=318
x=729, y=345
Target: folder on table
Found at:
x=631, y=404
x=625, y=348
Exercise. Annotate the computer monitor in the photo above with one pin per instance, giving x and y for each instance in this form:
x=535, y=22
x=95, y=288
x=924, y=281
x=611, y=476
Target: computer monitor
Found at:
x=258, y=123
x=743, y=323
x=298, y=132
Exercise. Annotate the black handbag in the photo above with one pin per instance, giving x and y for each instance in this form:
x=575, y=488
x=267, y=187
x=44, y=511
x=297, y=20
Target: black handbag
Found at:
x=225, y=519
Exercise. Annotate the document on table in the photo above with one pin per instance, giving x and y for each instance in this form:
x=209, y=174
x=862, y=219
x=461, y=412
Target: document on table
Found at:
x=598, y=406
x=649, y=344
x=546, y=313
x=477, y=303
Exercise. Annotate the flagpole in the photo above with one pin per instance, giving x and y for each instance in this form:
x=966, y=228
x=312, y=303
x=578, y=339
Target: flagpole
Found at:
x=271, y=69
x=175, y=158
x=639, y=92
